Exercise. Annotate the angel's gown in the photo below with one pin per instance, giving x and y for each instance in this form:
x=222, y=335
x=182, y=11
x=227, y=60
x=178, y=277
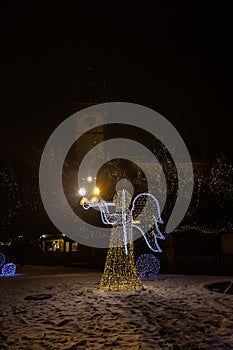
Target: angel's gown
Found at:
x=120, y=271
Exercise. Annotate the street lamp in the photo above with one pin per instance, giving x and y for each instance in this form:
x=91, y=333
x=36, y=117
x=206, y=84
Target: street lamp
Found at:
x=94, y=199
x=82, y=191
x=96, y=191
x=89, y=178
x=84, y=200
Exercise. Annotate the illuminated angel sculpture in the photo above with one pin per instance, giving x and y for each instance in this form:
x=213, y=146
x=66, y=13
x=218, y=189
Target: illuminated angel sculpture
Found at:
x=120, y=271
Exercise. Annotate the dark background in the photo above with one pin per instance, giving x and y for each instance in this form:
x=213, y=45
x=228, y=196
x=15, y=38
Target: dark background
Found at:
x=174, y=58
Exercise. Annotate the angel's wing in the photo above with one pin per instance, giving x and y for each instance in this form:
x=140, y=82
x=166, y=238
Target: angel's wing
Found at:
x=146, y=217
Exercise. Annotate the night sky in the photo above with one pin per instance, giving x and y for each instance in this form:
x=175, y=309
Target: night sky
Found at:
x=173, y=58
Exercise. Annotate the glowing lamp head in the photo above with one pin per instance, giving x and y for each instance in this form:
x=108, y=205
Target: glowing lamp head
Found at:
x=84, y=200
x=82, y=191
x=89, y=179
x=96, y=191
x=94, y=199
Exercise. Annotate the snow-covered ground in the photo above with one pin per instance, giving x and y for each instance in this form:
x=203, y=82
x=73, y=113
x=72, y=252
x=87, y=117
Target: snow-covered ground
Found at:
x=173, y=312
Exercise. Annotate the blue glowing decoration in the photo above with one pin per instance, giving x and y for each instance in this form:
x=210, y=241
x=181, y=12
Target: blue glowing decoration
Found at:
x=148, y=266
x=125, y=219
x=2, y=259
x=8, y=269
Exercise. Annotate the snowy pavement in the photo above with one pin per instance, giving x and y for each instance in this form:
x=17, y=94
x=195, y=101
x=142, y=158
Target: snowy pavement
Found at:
x=173, y=312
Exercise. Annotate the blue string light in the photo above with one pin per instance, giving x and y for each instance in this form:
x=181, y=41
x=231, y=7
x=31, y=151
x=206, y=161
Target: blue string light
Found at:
x=148, y=266
x=8, y=269
x=2, y=259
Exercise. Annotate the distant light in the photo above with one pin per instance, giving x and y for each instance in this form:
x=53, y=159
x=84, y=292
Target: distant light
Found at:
x=96, y=191
x=82, y=191
x=136, y=222
x=89, y=178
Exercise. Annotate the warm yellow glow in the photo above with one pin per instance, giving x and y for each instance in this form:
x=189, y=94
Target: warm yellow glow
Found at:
x=96, y=191
x=82, y=191
x=84, y=200
x=120, y=272
x=89, y=179
x=94, y=199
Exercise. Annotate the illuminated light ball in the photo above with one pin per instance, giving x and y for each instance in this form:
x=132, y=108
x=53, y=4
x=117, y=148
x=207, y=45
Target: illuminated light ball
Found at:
x=8, y=269
x=84, y=200
x=96, y=191
x=89, y=179
x=2, y=259
x=148, y=266
x=82, y=191
x=94, y=199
